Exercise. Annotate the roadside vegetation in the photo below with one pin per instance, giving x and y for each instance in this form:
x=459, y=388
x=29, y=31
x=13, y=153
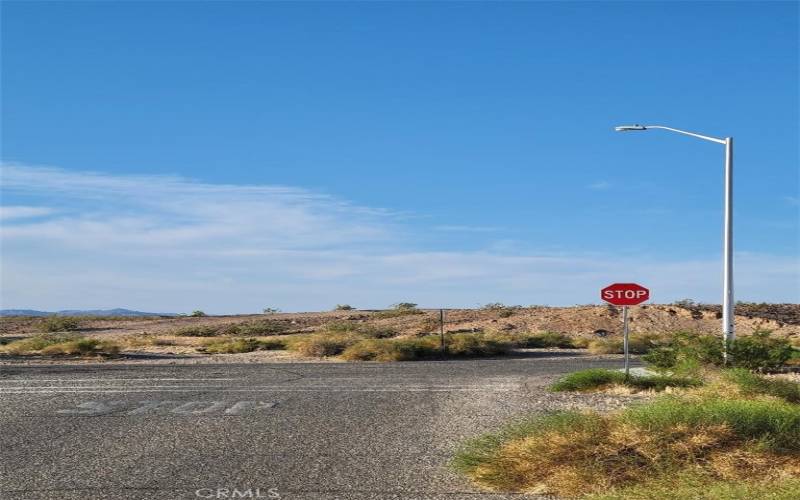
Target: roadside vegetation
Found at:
x=58, y=345
x=598, y=379
x=720, y=433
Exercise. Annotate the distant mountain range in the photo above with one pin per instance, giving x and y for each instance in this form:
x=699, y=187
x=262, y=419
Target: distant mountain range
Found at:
x=77, y=312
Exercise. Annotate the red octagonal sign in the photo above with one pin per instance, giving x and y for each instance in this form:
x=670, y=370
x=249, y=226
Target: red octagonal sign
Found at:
x=625, y=294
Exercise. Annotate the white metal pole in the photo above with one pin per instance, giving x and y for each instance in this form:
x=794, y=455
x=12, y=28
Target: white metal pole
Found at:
x=727, y=280
x=625, y=339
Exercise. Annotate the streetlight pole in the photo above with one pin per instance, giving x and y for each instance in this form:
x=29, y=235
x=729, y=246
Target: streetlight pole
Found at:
x=727, y=234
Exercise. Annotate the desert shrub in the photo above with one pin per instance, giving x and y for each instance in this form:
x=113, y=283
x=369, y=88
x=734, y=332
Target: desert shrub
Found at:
x=197, y=331
x=401, y=309
x=475, y=345
x=752, y=384
x=760, y=351
x=343, y=307
x=323, y=345
x=34, y=344
x=59, y=324
x=271, y=310
x=197, y=314
x=231, y=346
x=595, y=379
x=82, y=347
x=393, y=350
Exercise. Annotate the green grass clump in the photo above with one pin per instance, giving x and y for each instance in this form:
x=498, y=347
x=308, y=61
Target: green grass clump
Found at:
x=753, y=384
x=59, y=324
x=570, y=454
x=595, y=379
x=700, y=487
x=774, y=425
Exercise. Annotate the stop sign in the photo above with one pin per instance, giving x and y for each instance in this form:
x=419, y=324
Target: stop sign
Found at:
x=625, y=294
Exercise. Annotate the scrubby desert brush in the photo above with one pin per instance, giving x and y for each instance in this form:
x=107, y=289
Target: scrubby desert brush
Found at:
x=54, y=324
x=52, y=345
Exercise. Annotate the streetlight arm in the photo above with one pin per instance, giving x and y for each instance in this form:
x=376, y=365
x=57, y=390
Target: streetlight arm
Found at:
x=684, y=132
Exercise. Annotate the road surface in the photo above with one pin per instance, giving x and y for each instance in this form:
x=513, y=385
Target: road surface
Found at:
x=291, y=431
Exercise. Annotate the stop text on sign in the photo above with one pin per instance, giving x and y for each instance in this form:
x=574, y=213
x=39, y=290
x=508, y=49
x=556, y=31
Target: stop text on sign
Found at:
x=625, y=294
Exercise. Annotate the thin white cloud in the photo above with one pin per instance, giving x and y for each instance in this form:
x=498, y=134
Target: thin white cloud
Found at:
x=455, y=228
x=172, y=244
x=599, y=185
x=11, y=212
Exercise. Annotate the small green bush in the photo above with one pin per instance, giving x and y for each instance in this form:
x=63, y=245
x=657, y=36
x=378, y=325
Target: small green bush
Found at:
x=197, y=314
x=59, y=324
x=760, y=351
x=343, y=307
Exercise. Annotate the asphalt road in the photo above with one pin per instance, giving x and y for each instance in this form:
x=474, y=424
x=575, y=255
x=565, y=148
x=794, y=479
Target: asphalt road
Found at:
x=289, y=431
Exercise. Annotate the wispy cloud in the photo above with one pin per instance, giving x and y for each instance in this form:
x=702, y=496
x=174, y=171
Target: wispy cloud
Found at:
x=467, y=229
x=23, y=212
x=169, y=243
x=599, y=185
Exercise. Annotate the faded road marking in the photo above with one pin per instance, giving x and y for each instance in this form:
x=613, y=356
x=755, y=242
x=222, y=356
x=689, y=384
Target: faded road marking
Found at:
x=149, y=407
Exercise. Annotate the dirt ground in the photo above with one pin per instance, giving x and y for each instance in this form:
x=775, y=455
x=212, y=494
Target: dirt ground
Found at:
x=578, y=321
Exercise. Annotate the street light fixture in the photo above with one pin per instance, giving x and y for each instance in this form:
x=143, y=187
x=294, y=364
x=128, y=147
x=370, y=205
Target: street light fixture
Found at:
x=727, y=257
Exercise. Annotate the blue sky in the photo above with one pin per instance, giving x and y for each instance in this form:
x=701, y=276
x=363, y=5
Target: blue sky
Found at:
x=232, y=156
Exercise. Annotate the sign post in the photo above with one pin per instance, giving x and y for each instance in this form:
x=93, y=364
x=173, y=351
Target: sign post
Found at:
x=625, y=294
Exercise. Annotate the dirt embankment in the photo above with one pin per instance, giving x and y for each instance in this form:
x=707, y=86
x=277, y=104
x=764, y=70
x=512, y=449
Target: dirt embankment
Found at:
x=581, y=321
